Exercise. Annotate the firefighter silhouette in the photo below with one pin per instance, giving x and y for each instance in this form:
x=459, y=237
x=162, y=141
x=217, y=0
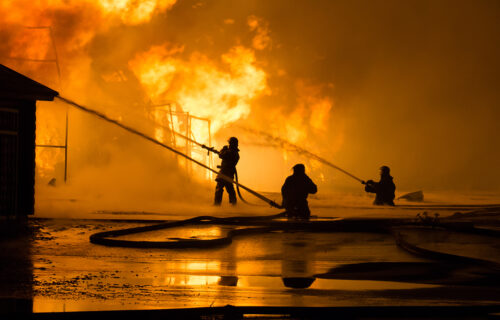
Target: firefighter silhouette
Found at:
x=384, y=189
x=230, y=157
x=295, y=191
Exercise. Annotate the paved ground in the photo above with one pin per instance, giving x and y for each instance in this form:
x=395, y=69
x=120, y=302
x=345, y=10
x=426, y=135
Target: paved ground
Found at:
x=58, y=269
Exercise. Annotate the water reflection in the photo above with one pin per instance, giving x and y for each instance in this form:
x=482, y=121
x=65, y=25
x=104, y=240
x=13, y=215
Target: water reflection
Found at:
x=229, y=267
x=191, y=273
x=207, y=266
x=229, y=281
x=194, y=280
x=297, y=268
x=16, y=268
x=267, y=270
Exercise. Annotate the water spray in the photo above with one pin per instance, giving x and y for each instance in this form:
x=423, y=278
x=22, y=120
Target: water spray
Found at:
x=286, y=144
x=155, y=141
x=209, y=149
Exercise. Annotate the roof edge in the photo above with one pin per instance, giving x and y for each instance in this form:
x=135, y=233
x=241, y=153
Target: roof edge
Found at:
x=28, y=88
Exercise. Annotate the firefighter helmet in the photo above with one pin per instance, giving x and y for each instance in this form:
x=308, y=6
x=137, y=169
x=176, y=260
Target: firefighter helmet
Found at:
x=233, y=141
x=299, y=168
x=385, y=170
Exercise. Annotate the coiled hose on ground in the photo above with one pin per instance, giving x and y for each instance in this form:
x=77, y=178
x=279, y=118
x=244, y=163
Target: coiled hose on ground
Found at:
x=273, y=223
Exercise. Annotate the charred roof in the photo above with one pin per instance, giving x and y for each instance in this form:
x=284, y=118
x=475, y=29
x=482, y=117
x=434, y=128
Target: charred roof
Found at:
x=14, y=85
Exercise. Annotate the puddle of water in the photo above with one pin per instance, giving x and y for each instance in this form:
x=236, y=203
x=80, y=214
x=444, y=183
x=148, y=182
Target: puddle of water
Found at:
x=457, y=243
x=72, y=274
x=331, y=284
x=199, y=290
x=361, y=285
x=41, y=305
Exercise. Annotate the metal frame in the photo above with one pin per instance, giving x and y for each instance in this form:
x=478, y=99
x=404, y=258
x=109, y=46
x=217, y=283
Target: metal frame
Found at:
x=65, y=147
x=190, y=147
x=56, y=62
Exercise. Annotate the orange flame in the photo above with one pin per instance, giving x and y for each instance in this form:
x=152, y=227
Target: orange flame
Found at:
x=199, y=85
x=221, y=90
x=41, y=12
x=28, y=31
x=135, y=12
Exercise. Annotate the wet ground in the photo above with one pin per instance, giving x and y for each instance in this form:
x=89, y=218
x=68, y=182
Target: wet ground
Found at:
x=56, y=268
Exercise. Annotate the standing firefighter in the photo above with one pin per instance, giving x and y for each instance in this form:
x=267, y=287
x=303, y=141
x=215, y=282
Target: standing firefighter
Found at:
x=295, y=191
x=230, y=157
x=384, y=189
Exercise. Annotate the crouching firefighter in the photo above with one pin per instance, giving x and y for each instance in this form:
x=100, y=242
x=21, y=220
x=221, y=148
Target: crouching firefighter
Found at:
x=295, y=191
x=230, y=157
x=384, y=189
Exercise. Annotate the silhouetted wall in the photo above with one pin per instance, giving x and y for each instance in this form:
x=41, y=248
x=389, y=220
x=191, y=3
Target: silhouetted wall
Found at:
x=17, y=154
x=18, y=96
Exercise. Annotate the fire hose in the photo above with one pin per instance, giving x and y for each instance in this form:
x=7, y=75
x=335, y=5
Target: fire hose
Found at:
x=238, y=190
x=287, y=144
x=155, y=141
x=255, y=225
x=212, y=149
x=209, y=149
x=260, y=224
x=267, y=224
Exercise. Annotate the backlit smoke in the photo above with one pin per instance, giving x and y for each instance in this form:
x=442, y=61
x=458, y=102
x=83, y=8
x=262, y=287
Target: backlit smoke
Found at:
x=283, y=144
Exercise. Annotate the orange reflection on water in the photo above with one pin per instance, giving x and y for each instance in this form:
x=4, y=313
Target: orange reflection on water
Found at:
x=214, y=231
x=193, y=280
x=203, y=266
x=193, y=267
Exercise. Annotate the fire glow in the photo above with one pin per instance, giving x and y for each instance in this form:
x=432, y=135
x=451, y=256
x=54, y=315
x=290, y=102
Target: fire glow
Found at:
x=221, y=88
x=206, y=90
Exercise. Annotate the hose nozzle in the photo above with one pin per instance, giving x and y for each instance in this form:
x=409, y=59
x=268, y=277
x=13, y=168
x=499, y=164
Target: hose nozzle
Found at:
x=209, y=149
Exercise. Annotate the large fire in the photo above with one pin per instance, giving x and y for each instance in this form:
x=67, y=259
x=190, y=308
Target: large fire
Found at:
x=45, y=12
x=132, y=11
x=217, y=90
x=200, y=86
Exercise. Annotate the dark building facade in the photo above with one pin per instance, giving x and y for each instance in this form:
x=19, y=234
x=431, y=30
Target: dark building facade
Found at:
x=18, y=96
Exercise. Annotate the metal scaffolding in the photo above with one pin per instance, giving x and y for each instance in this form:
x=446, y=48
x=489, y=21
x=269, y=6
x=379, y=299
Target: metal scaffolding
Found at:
x=178, y=123
x=56, y=62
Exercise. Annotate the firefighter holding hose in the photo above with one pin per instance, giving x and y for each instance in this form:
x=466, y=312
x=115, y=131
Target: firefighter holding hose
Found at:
x=230, y=157
x=295, y=191
x=384, y=189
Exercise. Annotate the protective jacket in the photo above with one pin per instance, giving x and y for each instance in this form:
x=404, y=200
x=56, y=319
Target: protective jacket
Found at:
x=295, y=191
x=384, y=190
x=230, y=157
